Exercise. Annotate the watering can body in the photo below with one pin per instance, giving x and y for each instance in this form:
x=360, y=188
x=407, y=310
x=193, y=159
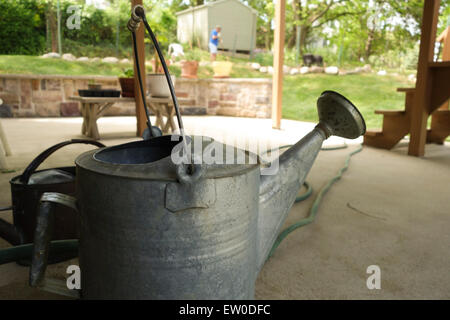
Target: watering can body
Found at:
x=25, y=203
x=150, y=230
x=26, y=191
x=162, y=239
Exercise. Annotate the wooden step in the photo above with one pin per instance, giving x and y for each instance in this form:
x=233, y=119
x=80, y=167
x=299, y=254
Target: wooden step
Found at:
x=440, y=91
x=439, y=64
x=440, y=127
x=380, y=140
x=406, y=89
x=390, y=112
x=441, y=113
x=373, y=133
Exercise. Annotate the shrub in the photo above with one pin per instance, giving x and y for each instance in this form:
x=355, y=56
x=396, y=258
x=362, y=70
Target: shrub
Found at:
x=22, y=27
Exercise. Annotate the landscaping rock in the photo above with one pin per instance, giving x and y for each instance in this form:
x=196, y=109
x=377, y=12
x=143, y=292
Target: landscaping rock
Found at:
x=270, y=70
x=125, y=60
x=382, y=73
x=286, y=69
x=69, y=57
x=366, y=68
x=304, y=70
x=316, y=69
x=332, y=70
x=83, y=59
x=51, y=55
x=294, y=71
x=110, y=60
x=263, y=69
x=255, y=66
x=96, y=59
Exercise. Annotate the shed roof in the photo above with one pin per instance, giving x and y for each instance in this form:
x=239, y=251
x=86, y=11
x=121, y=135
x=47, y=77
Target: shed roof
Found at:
x=211, y=4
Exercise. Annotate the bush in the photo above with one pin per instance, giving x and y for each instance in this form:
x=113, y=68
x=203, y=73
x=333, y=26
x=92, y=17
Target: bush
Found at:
x=22, y=27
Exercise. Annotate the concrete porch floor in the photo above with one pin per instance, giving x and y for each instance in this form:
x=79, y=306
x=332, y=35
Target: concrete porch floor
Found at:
x=389, y=209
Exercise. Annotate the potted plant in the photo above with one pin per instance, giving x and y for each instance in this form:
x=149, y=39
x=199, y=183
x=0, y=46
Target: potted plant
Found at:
x=127, y=83
x=189, y=66
x=156, y=82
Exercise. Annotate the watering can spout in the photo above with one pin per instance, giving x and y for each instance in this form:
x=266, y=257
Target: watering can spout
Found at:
x=338, y=116
x=10, y=233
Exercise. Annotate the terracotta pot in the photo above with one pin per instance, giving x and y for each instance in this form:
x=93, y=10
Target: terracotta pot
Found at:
x=127, y=85
x=189, y=69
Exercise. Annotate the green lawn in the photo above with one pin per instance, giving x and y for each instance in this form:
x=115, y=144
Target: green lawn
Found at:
x=367, y=91
x=36, y=65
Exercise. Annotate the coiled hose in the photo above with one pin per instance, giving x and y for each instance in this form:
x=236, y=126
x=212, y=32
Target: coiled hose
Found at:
x=60, y=248
x=315, y=206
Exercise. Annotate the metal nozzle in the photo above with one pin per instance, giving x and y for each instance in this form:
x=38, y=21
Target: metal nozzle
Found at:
x=339, y=117
x=137, y=13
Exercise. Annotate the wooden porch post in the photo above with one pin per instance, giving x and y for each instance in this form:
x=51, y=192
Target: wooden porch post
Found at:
x=278, y=58
x=422, y=95
x=444, y=38
x=140, y=112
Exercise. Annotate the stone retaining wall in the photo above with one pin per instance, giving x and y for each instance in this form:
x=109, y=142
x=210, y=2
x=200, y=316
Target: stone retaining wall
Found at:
x=47, y=95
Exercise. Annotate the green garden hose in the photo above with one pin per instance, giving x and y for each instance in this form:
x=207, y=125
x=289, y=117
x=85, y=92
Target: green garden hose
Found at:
x=315, y=206
x=66, y=248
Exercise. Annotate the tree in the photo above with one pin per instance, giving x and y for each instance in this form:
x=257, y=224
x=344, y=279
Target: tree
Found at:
x=52, y=26
x=311, y=14
x=266, y=12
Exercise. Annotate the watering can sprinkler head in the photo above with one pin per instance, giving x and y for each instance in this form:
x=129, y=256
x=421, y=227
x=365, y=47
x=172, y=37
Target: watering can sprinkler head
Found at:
x=339, y=117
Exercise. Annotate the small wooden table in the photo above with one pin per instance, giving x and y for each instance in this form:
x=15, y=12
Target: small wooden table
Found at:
x=163, y=107
x=92, y=108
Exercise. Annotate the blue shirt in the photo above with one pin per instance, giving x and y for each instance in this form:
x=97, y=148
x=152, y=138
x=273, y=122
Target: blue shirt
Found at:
x=216, y=40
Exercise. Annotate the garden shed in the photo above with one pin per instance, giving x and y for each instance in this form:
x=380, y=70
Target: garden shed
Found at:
x=238, y=22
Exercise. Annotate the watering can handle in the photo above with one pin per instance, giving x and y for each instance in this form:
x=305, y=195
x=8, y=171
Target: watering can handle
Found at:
x=43, y=234
x=46, y=153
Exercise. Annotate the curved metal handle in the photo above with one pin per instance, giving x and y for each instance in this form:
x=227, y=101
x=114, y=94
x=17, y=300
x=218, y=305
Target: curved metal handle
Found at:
x=42, y=236
x=46, y=153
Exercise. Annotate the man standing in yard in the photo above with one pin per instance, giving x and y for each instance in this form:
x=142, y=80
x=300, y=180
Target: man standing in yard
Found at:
x=214, y=42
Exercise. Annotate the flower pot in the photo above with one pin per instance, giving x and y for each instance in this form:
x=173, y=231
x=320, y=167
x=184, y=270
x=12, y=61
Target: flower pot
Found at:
x=189, y=69
x=157, y=84
x=222, y=69
x=127, y=85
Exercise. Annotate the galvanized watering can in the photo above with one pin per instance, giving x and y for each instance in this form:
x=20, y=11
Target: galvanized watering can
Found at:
x=153, y=229
x=26, y=191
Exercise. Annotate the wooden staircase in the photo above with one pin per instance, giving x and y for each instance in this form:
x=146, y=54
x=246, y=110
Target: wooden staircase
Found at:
x=395, y=124
x=439, y=107
x=429, y=97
